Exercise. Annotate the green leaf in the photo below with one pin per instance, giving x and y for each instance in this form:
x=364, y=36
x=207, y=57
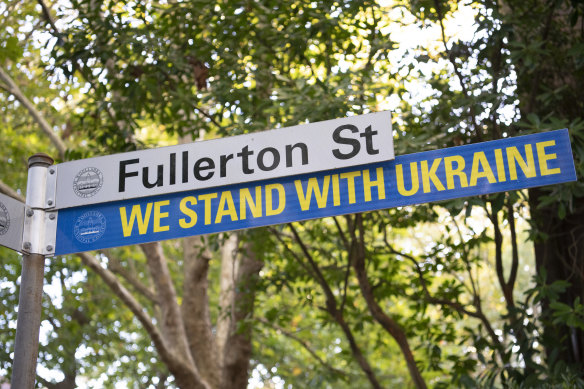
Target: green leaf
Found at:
x=10, y=49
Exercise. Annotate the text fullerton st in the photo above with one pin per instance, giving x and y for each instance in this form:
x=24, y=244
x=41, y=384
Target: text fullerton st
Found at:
x=185, y=167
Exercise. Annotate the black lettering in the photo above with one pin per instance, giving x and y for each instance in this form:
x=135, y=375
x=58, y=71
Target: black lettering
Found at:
x=303, y=151
x=159, y=177
x=244, y=154
x=368, y=135
x=204, y=164
x=223, y=164
x=275, y=159
x=124, y=174
x=346, y=141
x=172, y=168
x=185, y=167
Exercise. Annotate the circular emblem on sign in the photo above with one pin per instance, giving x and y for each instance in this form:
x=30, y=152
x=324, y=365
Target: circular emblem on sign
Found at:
x=4, y=219
x=88, y=182
x=89, y=227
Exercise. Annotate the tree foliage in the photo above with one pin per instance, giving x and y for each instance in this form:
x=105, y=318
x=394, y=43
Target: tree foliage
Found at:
x=438, y=295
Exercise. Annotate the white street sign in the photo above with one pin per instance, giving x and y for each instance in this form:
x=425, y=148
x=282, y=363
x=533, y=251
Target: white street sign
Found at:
x=331, y=144
x=11, y=222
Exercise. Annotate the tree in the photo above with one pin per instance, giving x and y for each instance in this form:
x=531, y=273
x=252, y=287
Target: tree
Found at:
x=364, y=297
x=518, y=74
x=550, y=96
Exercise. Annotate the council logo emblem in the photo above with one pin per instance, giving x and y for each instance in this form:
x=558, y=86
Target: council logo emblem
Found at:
x=4, y=219
x=88, y=182
x=89, y=227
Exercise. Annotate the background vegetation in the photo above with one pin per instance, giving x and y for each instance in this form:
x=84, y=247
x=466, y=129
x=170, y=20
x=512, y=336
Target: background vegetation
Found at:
x=477, y=292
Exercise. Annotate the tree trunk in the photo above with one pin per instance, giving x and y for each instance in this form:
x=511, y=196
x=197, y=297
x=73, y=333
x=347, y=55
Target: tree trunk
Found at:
x=238, y=346
x=555, y=69
x=229, y=270
x=172, y=325
x=561, y=256
x=195, y=310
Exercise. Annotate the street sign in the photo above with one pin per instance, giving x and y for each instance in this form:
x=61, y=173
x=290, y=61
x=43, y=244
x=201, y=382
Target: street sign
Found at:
x=470, y=170
x=11, y=222
x=331, y=144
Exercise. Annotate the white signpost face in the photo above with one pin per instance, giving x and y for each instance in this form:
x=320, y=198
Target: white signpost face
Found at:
x=307, y=148
x=11, y=222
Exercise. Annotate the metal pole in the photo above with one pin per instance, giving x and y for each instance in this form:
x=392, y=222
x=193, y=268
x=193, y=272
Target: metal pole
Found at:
x=26, y=345
x=28, y=324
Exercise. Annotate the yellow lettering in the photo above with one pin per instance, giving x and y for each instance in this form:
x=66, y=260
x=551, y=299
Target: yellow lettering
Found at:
x=481, y=159
x=350, y=177
x=336, y=190
x=500, y=165
x=226, y=199
x=160, y=215
x=451, y=172
x=379, y=183
x=136, y=214
x=246, y=199
x=399, y=172
x=190, y=213
x=513, y=157
x=207, y=199
x=311, y=187
x=428, y=175
x=281, y=199
x=543, y=158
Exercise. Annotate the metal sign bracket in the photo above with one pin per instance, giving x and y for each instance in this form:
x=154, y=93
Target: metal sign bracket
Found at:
x=40, y=232
x=40, y=220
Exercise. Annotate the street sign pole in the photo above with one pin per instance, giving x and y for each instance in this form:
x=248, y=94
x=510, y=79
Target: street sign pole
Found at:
x=28, y=323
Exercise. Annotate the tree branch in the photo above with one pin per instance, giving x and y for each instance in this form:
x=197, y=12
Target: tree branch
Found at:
x=172, y=326
x=478, y=313
x=514, y=253
x=348, y=248
x=83, y=69
x=210, y=117
x=180, y=368
x=305, y=345
x=332, y=309
x=498, y=238
x=13, y=89
x=49, y=18
x=278, y=236
x=7, y=190
x=115, y=267
x=390, y=325
x=456, y=70
x=467, y=265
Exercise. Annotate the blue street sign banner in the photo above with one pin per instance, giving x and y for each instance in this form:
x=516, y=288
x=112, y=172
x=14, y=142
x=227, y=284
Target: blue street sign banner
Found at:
x=470, y=170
